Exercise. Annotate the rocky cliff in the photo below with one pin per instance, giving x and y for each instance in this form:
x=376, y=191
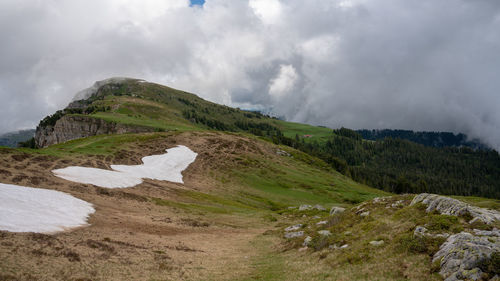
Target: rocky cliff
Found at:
x=70, y=127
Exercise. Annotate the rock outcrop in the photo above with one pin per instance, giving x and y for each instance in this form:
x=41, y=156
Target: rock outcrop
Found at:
x=70, y=127
x=462, y=255
x=449, y=206
x=310, y=207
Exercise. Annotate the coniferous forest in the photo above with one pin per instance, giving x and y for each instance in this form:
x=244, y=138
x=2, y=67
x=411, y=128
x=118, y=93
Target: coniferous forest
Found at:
x=402, y=166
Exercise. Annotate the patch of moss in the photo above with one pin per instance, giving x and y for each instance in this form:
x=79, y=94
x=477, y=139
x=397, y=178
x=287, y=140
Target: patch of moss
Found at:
x=428, y=245
x=440, y=223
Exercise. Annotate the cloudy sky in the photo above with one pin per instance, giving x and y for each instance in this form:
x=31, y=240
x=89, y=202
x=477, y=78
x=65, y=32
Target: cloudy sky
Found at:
x=422, y=65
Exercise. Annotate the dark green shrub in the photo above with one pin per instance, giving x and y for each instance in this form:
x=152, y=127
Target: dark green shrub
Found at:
x=441, y=222
x=491, y=265
x=427, y=245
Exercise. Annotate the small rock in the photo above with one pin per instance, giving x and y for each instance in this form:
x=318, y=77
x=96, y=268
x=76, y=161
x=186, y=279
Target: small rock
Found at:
x=365, y=214
x=336, y=210
x=321, y=222
x=294, y=227
x=380, y=199
x=360, y=210
x=335, y=247
x=316, y=217
x=420, y=231
x=307, y=241
x=305, y=207
x=282, y=153
x=324, y=232
x=292, y=207
x=377, y=243
x=303, y=249
x=347, y=233
x=319, y=207
x=397, y=204
x=294, y=234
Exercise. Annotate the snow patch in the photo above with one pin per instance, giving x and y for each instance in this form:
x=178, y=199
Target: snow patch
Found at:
x=166, y=167
x=28, y=209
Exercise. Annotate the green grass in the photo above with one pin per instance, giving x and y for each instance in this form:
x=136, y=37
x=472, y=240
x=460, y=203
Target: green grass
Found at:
x=142, y=120
x=96, y=145
x=292, y=181
x=290, y=129
x=480, y=201
x=190, y=207
x=268, y=265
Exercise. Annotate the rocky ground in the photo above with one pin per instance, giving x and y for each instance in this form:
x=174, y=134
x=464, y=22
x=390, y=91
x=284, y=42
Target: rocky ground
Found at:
x=462, y=240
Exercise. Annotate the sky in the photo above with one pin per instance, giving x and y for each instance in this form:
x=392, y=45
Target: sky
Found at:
x=429, y=65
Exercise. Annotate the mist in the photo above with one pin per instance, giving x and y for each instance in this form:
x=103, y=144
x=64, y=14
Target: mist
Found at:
x=423, y=65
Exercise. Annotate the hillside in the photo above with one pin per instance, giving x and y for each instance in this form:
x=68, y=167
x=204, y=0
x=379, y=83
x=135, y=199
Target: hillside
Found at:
x=252, y=205
x=402, y=166
x=133, y=102
x=206, y=228
x=12, y=139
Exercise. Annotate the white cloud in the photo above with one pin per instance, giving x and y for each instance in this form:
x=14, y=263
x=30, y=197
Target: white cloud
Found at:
x=284, y=82
x=269, y=11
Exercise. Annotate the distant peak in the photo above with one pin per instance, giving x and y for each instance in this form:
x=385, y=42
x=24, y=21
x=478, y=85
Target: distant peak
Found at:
x=86, y=93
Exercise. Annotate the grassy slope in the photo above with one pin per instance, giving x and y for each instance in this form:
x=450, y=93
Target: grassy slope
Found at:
x=256, y=180
x=291, y=129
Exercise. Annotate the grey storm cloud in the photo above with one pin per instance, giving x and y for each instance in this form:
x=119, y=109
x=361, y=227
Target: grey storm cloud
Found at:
x=422, y=65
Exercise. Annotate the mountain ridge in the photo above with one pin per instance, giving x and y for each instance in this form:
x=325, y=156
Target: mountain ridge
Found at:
x=393, y=165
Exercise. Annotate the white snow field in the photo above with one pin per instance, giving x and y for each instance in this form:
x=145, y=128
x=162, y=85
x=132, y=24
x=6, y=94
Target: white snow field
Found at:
x=28, y=209
x=166, y=167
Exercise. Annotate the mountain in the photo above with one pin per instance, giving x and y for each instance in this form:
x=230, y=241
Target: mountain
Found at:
x=133, y=104
x=262, y=200
x=434, y=139
x=12, y=139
